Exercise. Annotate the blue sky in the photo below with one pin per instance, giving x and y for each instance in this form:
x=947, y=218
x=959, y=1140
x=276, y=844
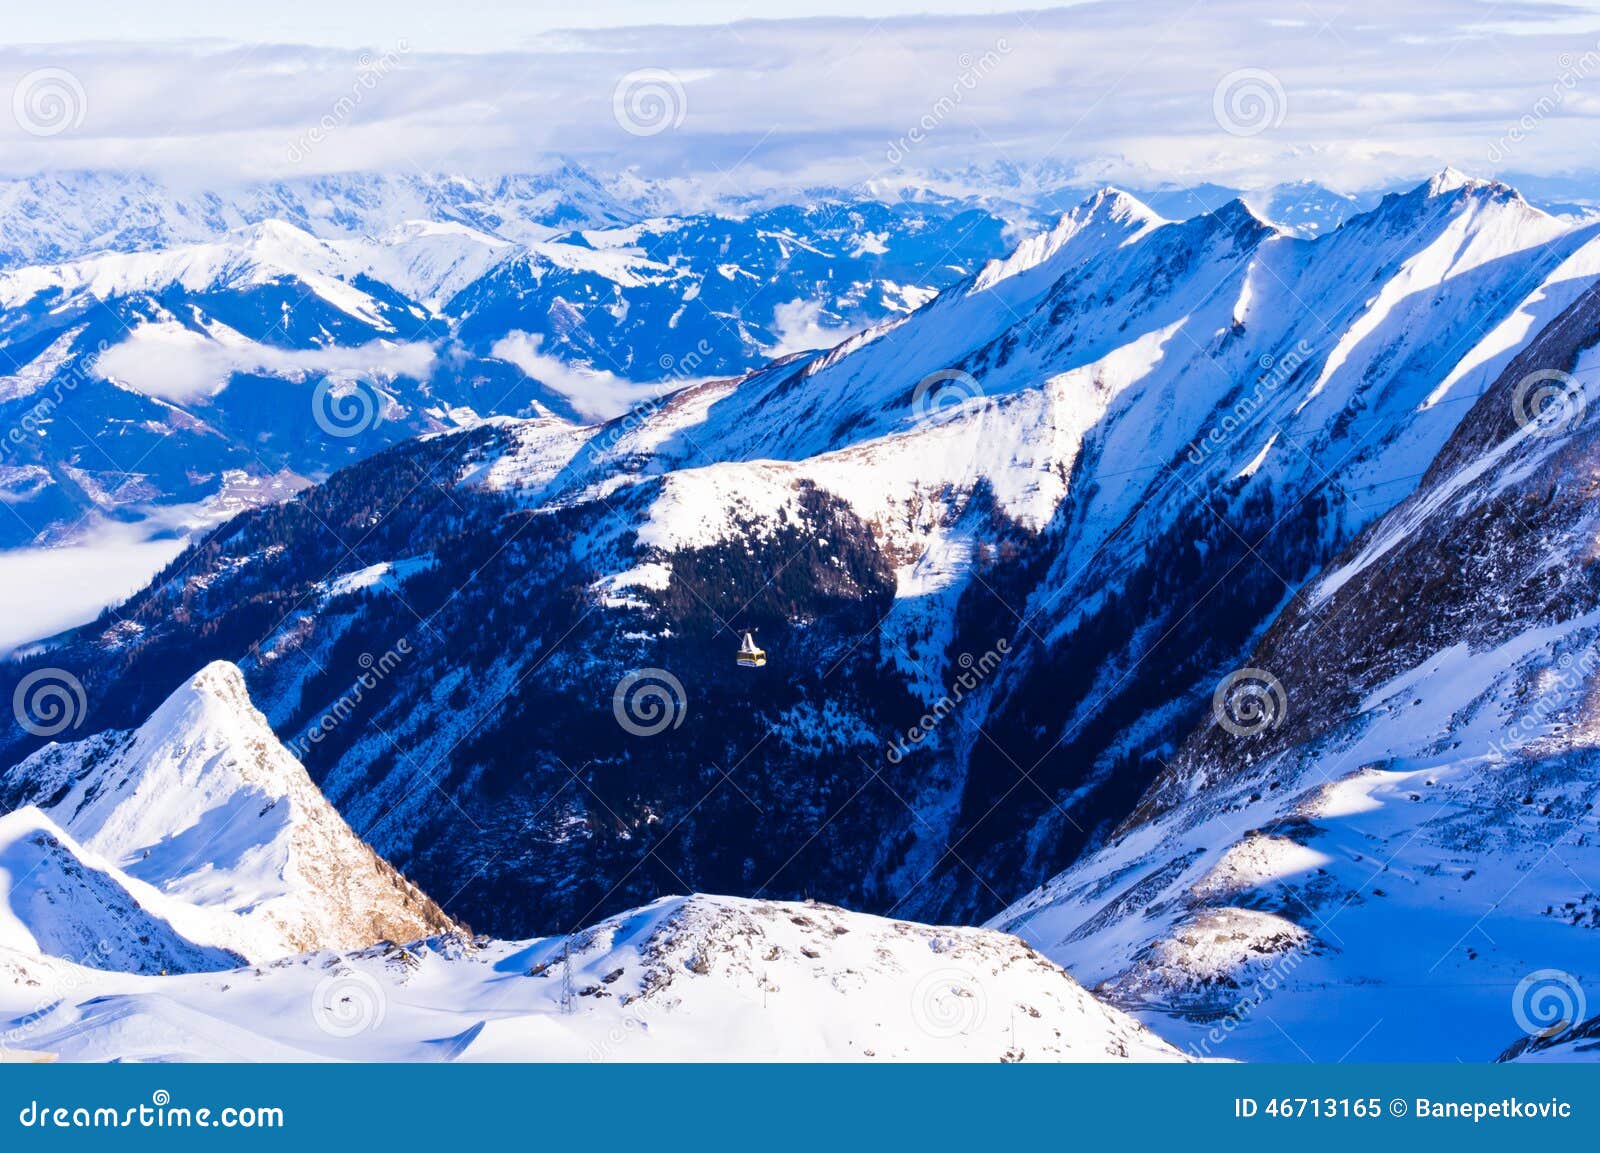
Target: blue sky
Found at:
x=1243, y=92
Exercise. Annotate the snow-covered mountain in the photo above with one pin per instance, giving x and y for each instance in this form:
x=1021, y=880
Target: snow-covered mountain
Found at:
x=158, y=341
x=204, y=805
x=65, y=215
x=1000, y=552
x=698, y=978
x=158, y=347
x=219, y=835
x=1387, y=846
x=64, y=901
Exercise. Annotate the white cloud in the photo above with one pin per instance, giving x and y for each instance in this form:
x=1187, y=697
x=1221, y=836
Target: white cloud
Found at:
x=174, y=363
x=1115, y=90
x=50, y=589
x=595, y=394
x=469, y=26
x=798, y=328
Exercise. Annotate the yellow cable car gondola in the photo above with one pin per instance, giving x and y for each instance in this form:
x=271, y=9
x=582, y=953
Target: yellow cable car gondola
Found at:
x=751, y=657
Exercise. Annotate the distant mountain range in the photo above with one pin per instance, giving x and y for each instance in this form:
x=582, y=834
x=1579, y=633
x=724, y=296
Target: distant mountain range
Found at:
x=168, y=350
x=164, y=349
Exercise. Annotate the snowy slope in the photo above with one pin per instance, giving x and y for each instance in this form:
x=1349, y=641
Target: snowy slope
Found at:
x=1109, y=460
x=1396, y=858
x=204, y=804
x=154, y=340
x=98, y=957
x=258, y=255
x=1145, y=407
x=698, y=978
x=1116, y=335
x=66, y=902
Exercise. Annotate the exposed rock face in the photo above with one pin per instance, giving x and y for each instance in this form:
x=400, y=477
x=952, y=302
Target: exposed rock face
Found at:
x=203, y=803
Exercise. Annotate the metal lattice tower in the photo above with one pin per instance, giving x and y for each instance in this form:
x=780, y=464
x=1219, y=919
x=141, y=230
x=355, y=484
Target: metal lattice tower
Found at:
x=566, y=974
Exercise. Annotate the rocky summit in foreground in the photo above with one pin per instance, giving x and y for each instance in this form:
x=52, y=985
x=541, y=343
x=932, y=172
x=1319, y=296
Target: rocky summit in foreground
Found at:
x=227, y=913
x=206, y=806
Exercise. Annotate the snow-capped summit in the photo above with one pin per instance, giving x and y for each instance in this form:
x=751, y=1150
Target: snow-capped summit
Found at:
x=210, y=821
x=1450, y=180
x=203, y=803
x=265, y=253
x=1454, y=193
x=1107, y=218
x=430, y=260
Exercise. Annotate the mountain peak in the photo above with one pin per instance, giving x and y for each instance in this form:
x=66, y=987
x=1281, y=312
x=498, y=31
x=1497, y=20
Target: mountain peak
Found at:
x=221, y=681
x=1236, y=213
x=1112, y=203
x=1449, y=180
x=1444, y=195
x=213, y=710
x=1107, y=219
x=205, y=804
